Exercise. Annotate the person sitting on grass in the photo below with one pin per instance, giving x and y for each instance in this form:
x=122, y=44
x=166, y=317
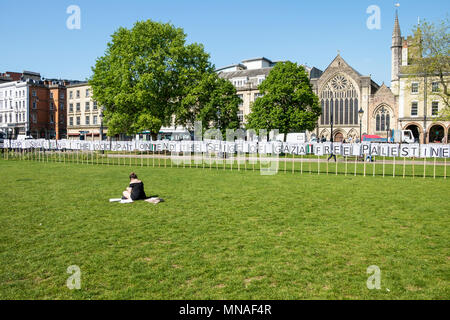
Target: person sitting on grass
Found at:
x=136, y=189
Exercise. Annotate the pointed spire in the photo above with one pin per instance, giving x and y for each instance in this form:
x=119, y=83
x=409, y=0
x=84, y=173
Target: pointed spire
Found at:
x=396, y=34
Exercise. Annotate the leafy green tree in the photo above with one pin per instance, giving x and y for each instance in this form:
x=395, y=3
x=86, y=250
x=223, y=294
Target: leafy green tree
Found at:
x=213, y=101
x=432, y=58
x=144, y=76
x=288, y=102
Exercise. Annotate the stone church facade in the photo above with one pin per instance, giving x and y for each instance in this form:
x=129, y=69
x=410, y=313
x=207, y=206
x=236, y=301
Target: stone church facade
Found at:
x=353, y=101
x=349, y=101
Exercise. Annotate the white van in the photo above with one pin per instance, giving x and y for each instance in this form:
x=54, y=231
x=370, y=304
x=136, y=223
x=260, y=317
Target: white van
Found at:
x=296, y=137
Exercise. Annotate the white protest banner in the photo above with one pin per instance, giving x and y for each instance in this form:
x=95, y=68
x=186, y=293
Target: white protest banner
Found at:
x=356, y=149
x=374, y=149
x=365, y=148
x=143, y=146
x=384, y=150
x=318, y=149
x=291, y=148
x=45, y=144
x=425, y=151
x=302, y=149
x=435, y=151
x=327, y=148
x=394, y=150
x=347, y=150
x=337, y=148
x=445, y=151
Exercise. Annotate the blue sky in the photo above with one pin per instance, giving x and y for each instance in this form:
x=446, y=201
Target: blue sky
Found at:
x=35, y=37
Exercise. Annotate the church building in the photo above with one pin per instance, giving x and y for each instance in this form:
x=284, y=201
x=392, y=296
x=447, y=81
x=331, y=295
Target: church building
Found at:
x=353, y=104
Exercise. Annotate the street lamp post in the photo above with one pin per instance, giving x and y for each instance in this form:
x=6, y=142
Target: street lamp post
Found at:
x=360, y=113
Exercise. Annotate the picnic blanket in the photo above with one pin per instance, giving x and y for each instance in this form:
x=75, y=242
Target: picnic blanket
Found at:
x=125, y=201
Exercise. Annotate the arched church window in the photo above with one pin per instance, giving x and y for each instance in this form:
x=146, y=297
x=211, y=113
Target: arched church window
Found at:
x=383, y=119
x=322, y=120
x=340, y=101
x=346, y=111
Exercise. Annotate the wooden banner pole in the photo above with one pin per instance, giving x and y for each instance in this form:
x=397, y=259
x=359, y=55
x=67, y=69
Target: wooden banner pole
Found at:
x=301, y=164
x=404, y=167
x=393, y=170
x=336, y=165
x=424, y=167
x=434, y=168
x=293, y=163
x=445, y=168
x=285, y=163
x=346, y=165
x=364, y=159
x=318, y=165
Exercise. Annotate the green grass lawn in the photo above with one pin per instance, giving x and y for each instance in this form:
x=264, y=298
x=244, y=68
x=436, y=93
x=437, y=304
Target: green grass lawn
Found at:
x=220, y=234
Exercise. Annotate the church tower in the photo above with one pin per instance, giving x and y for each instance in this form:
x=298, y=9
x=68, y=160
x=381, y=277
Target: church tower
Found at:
x=396, y=50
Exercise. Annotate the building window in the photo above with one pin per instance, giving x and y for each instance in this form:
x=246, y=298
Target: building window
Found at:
x=71, y=121
x=33, y=116
x=87, y=93
x=52, y=118
x=51, y=106
x=78, y=94
x=87, y=120
x=94, y=120
x=61, y=95
x=434, y=108
x=78, y=121
x=71, y=107
x=415, y=87
x=71, y=94
x=78, y=107
x=61, y=106
x=258, y=95
x=87, y=106
x=33, y=93
x=241, y=96
x=339, y=101
x=414, y=109
x=34, y=105
x=241, y=116
x=51, y=95
x=435, y=87
x=383, y=120
x=94, y=105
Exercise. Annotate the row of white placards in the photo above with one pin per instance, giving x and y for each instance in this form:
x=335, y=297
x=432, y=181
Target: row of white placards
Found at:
x=216, y=146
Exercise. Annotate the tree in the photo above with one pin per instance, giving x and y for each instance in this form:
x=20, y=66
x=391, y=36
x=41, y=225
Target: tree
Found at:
x=144, y=76
x=213, y=101
x=432, y=58
x=288, y=102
